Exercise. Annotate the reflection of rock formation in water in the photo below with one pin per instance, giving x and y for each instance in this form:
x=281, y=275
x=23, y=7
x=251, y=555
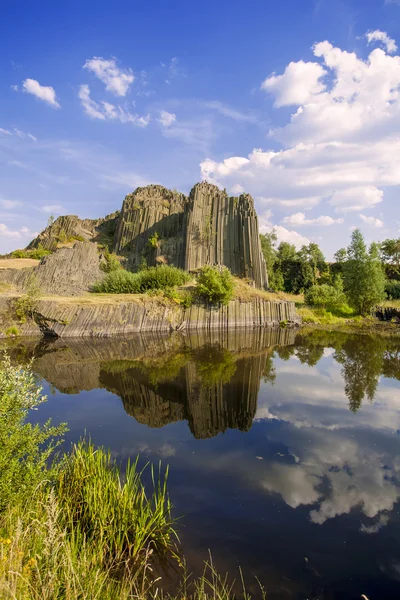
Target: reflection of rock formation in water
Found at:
x=218, y=406
x=209, y=379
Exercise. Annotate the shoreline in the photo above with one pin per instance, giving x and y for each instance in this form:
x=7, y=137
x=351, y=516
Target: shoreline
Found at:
x=104, y=316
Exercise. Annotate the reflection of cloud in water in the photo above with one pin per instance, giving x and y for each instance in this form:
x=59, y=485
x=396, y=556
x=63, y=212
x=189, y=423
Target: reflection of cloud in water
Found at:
x=382, y=521
x=349, y=456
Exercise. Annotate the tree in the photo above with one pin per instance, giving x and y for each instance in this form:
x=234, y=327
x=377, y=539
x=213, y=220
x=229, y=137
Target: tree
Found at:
x=268, y=248
x=340, y=255
x=313, y=256
x=364, y=278
x=51, y=220
x=390, y=250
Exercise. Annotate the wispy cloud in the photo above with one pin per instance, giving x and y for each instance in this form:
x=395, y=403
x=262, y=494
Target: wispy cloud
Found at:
x=116, y=80
x=18, y=133
x=166, y=118
x=52, y=208
x=231, y=113
x=106, y=111
x=382, y=36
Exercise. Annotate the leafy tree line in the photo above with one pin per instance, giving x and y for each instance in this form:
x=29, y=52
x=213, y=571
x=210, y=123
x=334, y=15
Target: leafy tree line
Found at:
x=359, y=276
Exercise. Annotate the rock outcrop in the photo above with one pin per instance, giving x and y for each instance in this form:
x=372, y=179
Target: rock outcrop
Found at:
x=223, y=230
x=67, y=272
x=208, y=227
x=70, y=228
x=89, y=317
x=157, y=225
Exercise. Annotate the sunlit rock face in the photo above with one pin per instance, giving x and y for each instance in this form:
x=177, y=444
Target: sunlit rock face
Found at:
x=161, y=226
x=158, y=225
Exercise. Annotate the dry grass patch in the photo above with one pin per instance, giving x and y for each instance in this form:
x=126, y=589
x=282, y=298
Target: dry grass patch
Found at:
x=246, y=292
x=18, y=263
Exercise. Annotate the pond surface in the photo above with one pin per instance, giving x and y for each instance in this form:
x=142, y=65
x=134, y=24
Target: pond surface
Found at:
x=283, y=447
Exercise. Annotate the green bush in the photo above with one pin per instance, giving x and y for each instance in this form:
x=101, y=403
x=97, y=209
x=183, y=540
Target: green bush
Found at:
x=154, y=278
x=153, y=241
x=323, y=295
x=215, y=284
x=37, y=253
x=161, y=278
x=11, y=331
x=25, y=306
x=392, y=289
x=118, y=282
x=111, y=263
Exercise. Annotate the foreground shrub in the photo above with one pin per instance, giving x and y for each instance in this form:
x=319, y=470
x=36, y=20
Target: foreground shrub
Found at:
x=392, y=289
x=24, y=448
x=154, y=278
x=215, y=284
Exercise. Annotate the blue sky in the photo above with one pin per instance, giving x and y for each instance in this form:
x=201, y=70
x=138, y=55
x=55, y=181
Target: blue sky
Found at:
x=297, y=103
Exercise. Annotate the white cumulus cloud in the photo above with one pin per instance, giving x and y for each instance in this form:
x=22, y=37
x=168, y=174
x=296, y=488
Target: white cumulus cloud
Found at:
x=284, y=235
x=43, y=92
x=116, y=80
x=298, y=84
x=371, y=221
x=341, y=144
x=300, y=219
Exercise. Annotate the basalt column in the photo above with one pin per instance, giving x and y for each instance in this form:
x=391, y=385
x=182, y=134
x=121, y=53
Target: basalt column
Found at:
x=223, y=230
x=150, y=226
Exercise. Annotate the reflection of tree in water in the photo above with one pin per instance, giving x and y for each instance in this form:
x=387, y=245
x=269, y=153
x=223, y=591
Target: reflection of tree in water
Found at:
x=364, y=358
x=215, y=365
x=269, y=372
x=362, y=365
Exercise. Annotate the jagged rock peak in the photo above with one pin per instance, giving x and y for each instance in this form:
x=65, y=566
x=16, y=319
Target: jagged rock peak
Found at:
x=155, y=194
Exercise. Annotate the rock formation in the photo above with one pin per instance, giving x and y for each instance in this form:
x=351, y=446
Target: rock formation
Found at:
x=70, y=228
x=157, y=225
x=223, y=230
x=67, y=272
x=208, y=227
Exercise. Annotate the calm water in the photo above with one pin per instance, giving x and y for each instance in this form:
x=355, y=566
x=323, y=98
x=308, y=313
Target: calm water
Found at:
x=283, y=450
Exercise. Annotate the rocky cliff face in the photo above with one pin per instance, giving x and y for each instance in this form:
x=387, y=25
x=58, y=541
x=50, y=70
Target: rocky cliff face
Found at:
x=70, y=228
x=157, y=226
x=151, y=223
x=208, y=227
x=223, y=230
x=67, y=272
